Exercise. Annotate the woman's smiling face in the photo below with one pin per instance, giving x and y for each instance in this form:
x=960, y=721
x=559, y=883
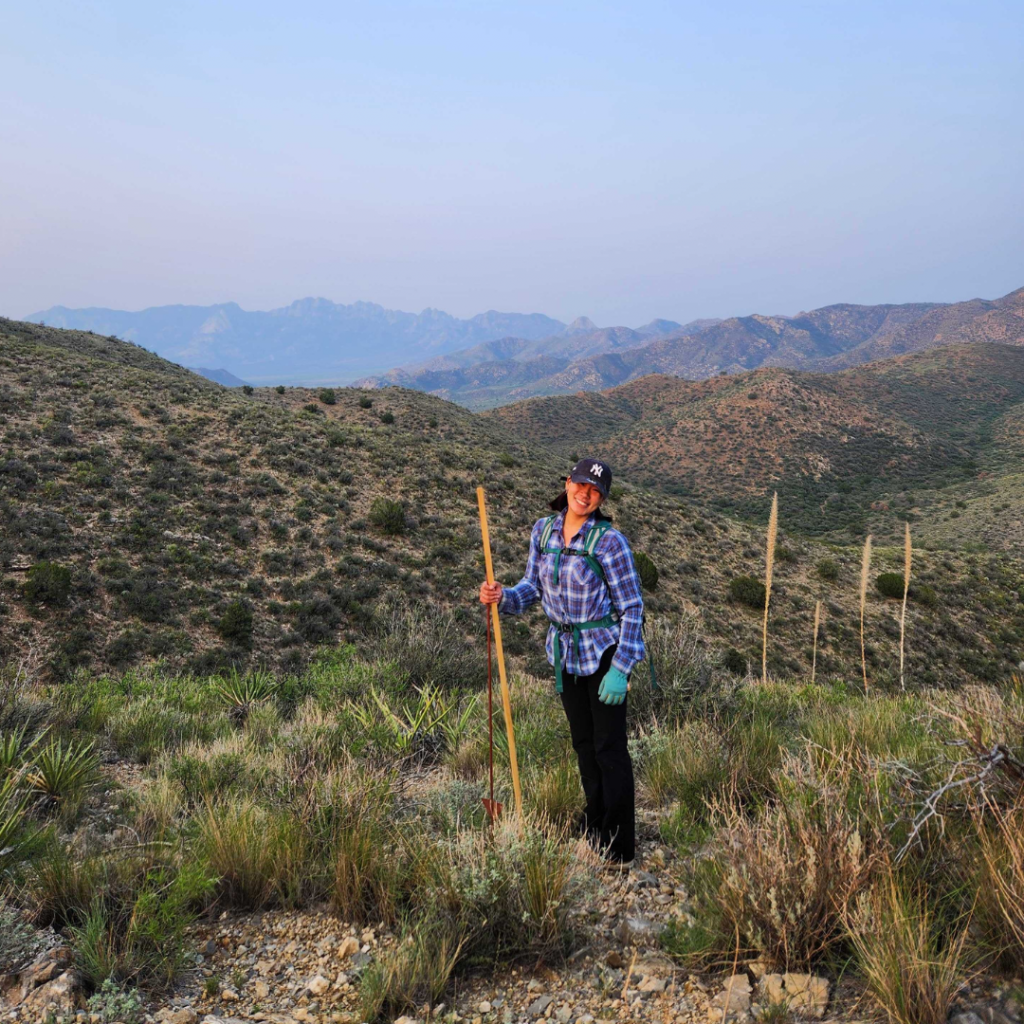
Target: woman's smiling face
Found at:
x=583, y=498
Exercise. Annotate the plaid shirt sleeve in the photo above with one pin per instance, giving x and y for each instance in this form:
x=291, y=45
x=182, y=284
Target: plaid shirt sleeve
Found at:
x=624, y=589
x=515, y=600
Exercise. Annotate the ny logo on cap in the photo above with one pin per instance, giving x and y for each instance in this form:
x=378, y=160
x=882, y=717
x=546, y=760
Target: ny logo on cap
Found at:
x=597, y=469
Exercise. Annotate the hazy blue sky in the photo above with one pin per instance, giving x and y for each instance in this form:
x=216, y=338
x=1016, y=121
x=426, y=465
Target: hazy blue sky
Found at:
x=623, y=161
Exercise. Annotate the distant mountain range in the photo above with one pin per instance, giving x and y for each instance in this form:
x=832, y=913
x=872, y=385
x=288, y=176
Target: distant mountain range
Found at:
x=311, y=341
x=496, y=358
x=831, y=338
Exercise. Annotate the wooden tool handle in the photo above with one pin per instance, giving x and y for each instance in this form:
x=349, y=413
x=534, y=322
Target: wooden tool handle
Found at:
x=506, y=700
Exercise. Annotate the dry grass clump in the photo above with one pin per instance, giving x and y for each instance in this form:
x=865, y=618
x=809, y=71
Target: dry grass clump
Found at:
x=262, y=857
x=912, y=964
x=790, y=872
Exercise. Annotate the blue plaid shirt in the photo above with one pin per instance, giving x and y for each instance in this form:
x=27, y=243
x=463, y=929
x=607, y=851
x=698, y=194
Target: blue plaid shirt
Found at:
x=581, y=596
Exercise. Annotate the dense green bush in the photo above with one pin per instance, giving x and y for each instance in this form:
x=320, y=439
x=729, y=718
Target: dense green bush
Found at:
x=235, y=624
x=647, y=570
x=280, y=389
x=387, y=417
x=48, y=583
x=828, y=569
x=328, y=396
x=248, y=389
x=388, y=516
x=890, y=584
x=365, y=402
x=735, y=662
x=747, y=590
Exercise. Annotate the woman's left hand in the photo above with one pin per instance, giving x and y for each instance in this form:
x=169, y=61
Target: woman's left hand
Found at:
x=614, y=687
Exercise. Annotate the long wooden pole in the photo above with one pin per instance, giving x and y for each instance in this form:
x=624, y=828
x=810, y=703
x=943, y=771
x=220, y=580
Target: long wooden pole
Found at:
x=506, y=701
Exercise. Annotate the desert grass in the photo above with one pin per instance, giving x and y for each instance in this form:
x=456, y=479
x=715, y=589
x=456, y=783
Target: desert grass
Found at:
x=865, y=568
x=769, y=565
x=814, y=650
x=790, y=873
x=908, y=554
x=913, y=965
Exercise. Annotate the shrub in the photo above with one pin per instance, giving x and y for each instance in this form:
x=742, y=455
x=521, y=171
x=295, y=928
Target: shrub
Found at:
x=747, y=590
x=924, y=595
x=280, y=389
x=248, y=389
x=48, y=583
x=828, y=569
x=789, y=875
x=365, y=402
x=235, y=624
x=114, y=1004
x=328, y=396
x=647, y=571
x=388, y=516
x=136, y=928
x=387, y=417
x=890, y=584
x=427, y=644
x=734, y=662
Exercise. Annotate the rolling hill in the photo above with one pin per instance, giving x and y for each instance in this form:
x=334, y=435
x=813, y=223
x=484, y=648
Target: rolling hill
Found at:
x=842, y=448
x=147, y=514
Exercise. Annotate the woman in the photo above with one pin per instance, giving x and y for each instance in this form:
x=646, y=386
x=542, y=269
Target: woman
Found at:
x=582, y=571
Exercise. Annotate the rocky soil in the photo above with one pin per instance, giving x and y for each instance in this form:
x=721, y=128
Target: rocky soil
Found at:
x=298, y=967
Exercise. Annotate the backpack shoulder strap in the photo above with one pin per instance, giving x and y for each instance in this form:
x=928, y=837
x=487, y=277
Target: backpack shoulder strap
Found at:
x=549, y=525
x=597, y=531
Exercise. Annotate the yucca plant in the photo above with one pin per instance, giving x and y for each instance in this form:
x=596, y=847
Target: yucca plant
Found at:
x=908, y=553
x=15, y=753
x=13, y=810
x=63, y=772
x=242, y=693
x=773, y=529
x=865, y=568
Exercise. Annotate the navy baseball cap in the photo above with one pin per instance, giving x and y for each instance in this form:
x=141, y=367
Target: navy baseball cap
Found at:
x=593, y=471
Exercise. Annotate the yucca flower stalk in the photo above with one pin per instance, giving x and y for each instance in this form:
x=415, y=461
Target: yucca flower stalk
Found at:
x=814, y=654
x=865, y=568
x=908, y=552
x=773, y=529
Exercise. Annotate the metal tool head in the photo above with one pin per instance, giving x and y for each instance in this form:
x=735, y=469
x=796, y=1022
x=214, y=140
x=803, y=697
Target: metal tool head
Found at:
x=493, y=808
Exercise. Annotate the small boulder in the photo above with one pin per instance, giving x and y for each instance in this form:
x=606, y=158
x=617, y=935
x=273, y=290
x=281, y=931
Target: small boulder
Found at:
x=318, y=985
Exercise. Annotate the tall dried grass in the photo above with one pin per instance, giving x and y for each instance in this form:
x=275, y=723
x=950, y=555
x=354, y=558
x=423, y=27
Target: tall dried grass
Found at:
x=912, y=968
x=865, y=568
x=790, y=873
x=908, y=553
x=814, y=653
x=769, y=565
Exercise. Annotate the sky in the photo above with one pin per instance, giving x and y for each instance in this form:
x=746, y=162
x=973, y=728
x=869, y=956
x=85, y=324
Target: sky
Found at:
x=622, y=161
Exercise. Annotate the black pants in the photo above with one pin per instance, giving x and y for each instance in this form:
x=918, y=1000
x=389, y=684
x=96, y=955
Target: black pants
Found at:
x=599, y=738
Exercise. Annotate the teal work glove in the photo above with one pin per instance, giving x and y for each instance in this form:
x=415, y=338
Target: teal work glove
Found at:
x=613, y=687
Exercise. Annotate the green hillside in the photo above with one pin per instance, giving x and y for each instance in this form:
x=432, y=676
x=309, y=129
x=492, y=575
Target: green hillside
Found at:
x=849, y=452
x=149, y=514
